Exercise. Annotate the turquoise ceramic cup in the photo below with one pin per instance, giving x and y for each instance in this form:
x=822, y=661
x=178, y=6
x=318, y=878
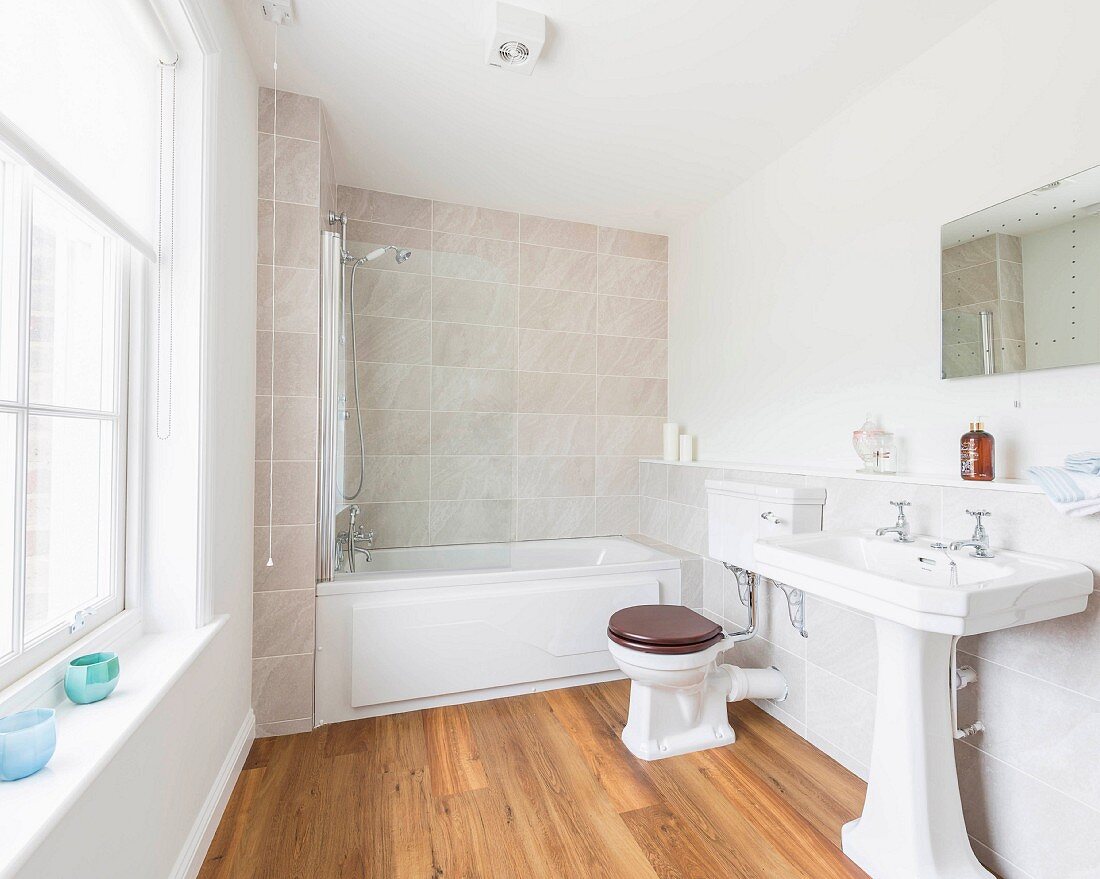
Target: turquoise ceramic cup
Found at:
x=27, y=742
x=91, y=678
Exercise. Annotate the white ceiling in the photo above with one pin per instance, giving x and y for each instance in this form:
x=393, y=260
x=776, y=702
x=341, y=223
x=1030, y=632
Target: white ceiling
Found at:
x=639, y=112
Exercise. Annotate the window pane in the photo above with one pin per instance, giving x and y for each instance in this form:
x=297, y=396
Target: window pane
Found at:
x=8, y=474
x=9, y=282
x=69, y=517
x=72, y=309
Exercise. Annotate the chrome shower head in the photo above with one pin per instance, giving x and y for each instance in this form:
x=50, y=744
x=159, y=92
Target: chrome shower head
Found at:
x=399, y=254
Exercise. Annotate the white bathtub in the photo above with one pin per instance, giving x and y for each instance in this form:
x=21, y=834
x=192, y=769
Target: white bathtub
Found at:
x=433, y=626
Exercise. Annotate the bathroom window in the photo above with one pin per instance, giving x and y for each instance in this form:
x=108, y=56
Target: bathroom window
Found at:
x=64, y=291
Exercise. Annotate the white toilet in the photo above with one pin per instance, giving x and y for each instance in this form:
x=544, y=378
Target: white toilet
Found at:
x=678, y=689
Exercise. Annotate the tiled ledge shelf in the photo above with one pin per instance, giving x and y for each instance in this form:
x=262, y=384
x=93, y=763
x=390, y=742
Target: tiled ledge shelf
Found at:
x=1017, y=485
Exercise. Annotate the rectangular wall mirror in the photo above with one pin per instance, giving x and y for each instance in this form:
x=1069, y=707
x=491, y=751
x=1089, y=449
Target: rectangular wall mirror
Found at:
x=1021, y=282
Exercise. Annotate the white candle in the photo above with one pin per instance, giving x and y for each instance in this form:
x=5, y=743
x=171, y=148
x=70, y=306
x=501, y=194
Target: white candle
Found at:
x=687, y=448
x=671, y=437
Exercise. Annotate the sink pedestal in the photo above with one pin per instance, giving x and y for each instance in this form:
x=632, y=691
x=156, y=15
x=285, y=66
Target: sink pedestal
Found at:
x=912, y=822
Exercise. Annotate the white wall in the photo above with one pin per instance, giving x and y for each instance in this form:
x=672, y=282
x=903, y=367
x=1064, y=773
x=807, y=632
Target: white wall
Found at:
x=810, y=295
x=135, y=818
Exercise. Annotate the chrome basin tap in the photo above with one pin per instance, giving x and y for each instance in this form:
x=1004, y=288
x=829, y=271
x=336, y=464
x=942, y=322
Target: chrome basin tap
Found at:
x=979, y=540
x=900, y=527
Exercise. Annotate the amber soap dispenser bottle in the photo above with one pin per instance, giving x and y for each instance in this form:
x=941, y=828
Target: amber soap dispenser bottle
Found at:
x=977, y=453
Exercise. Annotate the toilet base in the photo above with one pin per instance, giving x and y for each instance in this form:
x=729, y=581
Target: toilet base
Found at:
x=670, y=721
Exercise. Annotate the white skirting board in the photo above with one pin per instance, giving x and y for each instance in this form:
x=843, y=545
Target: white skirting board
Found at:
x=202, y=831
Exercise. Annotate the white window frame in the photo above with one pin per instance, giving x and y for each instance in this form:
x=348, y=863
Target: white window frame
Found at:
x=118, y=612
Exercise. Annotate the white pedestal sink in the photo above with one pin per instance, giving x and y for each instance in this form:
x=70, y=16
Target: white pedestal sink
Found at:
x=912, y=822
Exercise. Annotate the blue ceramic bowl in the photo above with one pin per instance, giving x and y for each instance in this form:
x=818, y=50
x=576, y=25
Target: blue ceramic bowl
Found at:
x=27, y=742
x=92, y=677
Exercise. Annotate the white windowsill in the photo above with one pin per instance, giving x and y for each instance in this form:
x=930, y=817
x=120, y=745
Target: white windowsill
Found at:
x=88, y=736
x=1017, y=485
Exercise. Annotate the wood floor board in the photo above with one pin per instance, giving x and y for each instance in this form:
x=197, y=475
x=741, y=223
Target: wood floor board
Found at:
x=537, y=786
x=452, y=753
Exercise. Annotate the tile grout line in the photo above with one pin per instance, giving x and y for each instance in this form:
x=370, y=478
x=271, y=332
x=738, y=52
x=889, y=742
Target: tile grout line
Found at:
x=1034, y=778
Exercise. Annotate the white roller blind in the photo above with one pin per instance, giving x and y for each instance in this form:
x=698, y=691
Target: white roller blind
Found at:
x=80, y=79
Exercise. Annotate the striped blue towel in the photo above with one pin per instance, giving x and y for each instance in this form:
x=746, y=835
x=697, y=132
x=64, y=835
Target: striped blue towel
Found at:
x=1084, y=462
x=1071, y=492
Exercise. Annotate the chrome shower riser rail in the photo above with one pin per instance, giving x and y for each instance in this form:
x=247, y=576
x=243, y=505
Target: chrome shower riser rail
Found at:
x=332, y=274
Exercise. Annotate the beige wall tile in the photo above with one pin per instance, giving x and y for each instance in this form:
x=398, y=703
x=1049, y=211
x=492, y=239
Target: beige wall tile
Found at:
x=1009, y=247
x=473, y=390
x=282, y=687
x=388, y=478
x=392, y=386
x=617, y=515
x=616, y=475
x=684, y=485
x=618, y=395
x=295, y=364
x=548, y=518
x=472, y=477
x=687, y=527
x=265, y=225
x=641, y=245
x=647, y=358
x=284, y=728
x=557, y=435
x=473, y=302
x=557, y=269
x=293, y=552
x=970, y=285
x=563, y=476
x=393, y=340
x=623, y=435
x=851, y=729
x=556, y=393
x=653, y=518
x=472, y=521
x=643, y=318
x=370, y=234
x=265, y=176
x=385, y=207
x=971, y=253
x=557, y=233
x=384, y=293
x=263, y=363
x=397, y=524
x=640, y=278
x=298, y=115
x=282, y=622
x=296, y=242
x=297, y=299
x=295, y=492
x=473, y=346
x=475, y=259
x=479, y=222
x=295, y=429
x=473, y=433
x=549, y=351
x=297, y=171
x=540, y=309
x=1010, y=278
x=654, y=479
x=395, y=433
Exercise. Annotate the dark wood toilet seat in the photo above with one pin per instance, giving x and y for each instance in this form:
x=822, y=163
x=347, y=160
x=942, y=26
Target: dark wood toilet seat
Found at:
x=663, y=628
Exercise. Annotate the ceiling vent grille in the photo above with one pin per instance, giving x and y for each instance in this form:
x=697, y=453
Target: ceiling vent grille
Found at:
x=516, y=38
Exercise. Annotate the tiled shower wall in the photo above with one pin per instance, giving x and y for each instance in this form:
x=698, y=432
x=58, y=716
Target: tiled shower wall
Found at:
x=293, y=205
x=1030, y=783
x=512, y=372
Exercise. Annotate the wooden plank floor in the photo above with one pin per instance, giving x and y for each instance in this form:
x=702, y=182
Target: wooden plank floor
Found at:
x=533, y=786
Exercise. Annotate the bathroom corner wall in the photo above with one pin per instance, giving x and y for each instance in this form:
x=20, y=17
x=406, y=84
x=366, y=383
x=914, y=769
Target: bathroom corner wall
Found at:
x=292, y=205
x=512, y=371
x=1030, y=788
